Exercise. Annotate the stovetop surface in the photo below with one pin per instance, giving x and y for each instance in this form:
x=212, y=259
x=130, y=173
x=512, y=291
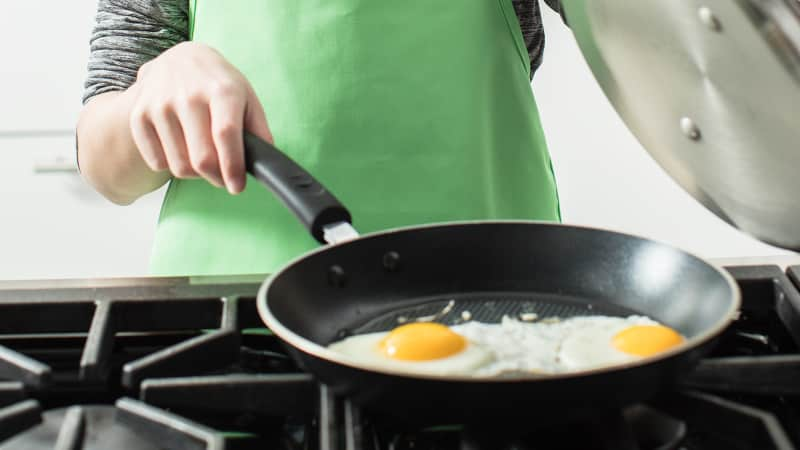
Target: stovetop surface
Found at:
x=183, y=363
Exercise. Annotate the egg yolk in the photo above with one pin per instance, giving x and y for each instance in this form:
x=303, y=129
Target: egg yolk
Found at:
x=421, y=341
x=646, y=340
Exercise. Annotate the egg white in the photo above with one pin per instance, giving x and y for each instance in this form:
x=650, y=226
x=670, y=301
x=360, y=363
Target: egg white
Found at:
x=516, y=346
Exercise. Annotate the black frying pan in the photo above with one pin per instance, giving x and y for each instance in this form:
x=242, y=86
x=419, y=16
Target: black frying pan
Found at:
x=491, y=269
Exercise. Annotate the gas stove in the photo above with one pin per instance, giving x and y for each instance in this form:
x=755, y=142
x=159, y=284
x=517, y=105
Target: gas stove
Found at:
x=184, y=363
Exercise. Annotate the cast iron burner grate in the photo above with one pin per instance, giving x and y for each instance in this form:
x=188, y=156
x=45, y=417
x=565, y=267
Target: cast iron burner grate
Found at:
x=180, y=368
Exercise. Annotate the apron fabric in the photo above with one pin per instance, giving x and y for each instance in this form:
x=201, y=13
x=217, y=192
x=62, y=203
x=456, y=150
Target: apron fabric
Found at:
x=410, y=112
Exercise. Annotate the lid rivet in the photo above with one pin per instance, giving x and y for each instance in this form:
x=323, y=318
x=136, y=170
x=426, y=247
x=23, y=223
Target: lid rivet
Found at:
x=709, y=19
x=690, y=129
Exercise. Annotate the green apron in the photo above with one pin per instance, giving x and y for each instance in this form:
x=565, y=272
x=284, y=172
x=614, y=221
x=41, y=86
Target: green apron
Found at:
x=410, y=112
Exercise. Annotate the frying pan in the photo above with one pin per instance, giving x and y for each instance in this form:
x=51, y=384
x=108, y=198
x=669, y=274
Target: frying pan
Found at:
x=491, y=269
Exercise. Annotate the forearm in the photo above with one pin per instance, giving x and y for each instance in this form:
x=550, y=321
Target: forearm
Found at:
x=107, y=154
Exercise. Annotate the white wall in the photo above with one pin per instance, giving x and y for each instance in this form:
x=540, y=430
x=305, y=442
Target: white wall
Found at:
x=606, y=179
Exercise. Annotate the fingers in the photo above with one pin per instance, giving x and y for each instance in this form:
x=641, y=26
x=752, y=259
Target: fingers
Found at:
x=195, y=122
x=195, y=138
x=170, y=134
x=227, y=114
x=189, y=115
x=146, y=140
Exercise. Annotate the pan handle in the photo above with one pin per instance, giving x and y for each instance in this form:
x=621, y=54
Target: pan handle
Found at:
x=314, y=205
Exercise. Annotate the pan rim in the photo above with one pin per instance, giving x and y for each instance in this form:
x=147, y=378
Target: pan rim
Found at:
x=319, y=351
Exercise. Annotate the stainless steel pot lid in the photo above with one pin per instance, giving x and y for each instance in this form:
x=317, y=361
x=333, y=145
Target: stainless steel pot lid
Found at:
x=712, y=90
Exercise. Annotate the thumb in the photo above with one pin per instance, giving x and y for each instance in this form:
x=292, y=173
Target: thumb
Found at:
x=255, y=121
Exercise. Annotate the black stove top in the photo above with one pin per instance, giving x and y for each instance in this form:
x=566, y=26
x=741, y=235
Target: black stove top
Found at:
x=173, y=364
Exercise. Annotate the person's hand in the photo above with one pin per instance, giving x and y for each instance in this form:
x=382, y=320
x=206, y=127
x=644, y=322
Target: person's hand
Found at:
x=190, y=109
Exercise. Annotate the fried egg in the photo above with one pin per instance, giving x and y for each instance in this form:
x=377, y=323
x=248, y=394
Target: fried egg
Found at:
x=424, y=348
x=478, y=349
x=593, y=342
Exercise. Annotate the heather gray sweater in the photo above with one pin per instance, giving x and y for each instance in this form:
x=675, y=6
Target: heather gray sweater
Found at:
x=131, y=32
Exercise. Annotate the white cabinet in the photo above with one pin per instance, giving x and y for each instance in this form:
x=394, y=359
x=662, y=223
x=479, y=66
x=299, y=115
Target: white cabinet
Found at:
x=53, y=225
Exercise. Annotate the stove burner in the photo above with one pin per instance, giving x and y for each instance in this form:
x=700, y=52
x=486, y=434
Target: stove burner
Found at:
x=131, y=426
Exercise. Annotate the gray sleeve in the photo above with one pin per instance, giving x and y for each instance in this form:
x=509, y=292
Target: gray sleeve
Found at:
x=127, y=34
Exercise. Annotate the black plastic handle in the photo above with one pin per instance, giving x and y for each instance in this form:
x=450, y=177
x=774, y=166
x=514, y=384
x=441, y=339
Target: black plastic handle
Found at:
x=314, y=205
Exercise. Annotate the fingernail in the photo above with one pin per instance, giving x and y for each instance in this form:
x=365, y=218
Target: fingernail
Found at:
x=235, y=188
